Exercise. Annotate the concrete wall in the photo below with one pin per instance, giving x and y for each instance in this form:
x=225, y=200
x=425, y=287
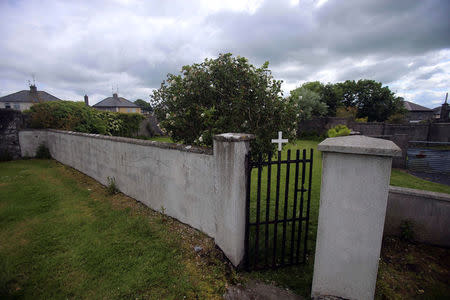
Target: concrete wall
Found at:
x=193, y=185
x=436, y=132
x=440, y=132
x=429, y=213
x=369, y=129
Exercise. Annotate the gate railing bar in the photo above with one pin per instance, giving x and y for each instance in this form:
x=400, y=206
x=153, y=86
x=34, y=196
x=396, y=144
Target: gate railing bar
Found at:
x=278, y=221
x=247, y=212
x=269, y=175
x=301, y=206
x=277, y=200
x=308, y=204
x=258, y=207
x=265, y=163
x=286, y=202
x=294, y=210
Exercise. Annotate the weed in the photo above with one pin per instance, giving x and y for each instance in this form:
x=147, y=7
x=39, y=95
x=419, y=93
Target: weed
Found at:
x=112, y=186
x=43, y=152
x=407, y=230
x=164, y=217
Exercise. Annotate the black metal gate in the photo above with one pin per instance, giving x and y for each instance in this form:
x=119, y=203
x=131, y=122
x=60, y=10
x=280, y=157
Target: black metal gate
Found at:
x=277, y=210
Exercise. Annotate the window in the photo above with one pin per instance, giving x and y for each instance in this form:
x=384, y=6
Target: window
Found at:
x=7, y=105
x=128, y=110
x=17, y=106
x=134, y=110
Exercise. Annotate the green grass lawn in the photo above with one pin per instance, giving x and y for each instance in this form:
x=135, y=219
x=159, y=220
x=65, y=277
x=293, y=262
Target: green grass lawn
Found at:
x=63, y=236
x=403, y=179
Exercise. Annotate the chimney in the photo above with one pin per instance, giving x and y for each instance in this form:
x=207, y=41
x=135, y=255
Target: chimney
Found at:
x=33, y=88
x=115, y=95
x=86, y=100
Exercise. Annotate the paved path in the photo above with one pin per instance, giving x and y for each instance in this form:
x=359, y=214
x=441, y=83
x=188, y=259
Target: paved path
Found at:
x=255, y=290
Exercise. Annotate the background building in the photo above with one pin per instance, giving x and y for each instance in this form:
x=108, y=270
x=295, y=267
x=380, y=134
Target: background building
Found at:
x=25, y=99
x=417, y=113
x=117, y=104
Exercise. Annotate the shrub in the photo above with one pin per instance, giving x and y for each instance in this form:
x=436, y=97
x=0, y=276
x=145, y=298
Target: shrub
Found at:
x=339, y=130
x=76, y=116
x=221, y=95
x=43, y=152
x=309, y=104
x=397, y=119
x=362, y=120
x=111, y=187
x=346, y=112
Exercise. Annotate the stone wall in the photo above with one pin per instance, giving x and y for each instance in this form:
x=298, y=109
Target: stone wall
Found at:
x=11, y=121
x=440, y=132
x=434, y=132
x=428, y=212
x=202, y=187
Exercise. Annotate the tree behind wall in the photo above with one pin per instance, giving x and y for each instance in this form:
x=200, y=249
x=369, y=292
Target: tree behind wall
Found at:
x=221, y=95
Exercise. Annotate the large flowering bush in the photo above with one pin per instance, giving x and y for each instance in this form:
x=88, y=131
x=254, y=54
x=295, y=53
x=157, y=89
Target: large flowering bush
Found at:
x=222, y=95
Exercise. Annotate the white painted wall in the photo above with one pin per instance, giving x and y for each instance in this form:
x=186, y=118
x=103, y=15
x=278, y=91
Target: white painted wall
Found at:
x=204, y=190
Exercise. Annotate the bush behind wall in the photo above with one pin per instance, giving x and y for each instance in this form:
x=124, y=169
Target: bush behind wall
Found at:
x=76, y=116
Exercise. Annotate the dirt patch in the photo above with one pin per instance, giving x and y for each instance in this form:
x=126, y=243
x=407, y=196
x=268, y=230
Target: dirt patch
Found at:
x=256, y=290
x=410, y=270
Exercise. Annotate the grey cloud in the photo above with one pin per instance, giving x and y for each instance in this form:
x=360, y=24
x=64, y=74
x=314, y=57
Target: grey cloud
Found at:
x=84, y=47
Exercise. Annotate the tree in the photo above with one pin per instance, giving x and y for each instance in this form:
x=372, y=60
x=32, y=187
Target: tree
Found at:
x=372, y=100
x=329, y=94
x=226, y=94
x=308, y=102
x=144, y=105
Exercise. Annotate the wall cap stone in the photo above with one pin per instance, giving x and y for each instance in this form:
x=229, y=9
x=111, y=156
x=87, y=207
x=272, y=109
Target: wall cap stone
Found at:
x=164, y=145
x=359, y=144
x=419, y=193
x=234, y=137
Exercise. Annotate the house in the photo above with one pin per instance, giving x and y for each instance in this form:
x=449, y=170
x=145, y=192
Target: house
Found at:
x=417, y=113
x=117, y=104
x=23, y=100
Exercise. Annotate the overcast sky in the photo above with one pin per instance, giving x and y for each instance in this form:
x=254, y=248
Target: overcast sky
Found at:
x=86, y=47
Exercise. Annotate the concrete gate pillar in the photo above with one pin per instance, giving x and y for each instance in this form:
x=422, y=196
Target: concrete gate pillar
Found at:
x=230, y=150
x=353, y=197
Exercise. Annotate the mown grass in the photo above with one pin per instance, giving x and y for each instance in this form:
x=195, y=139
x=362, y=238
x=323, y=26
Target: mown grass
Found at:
x=403, y=179
x=63, y=236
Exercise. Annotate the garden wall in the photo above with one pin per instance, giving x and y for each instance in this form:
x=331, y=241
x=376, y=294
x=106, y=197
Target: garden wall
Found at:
x=11, y=121
x=198, y=186
x=429, y=213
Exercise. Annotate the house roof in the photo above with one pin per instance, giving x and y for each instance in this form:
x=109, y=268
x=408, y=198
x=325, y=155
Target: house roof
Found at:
x=415, y=107
x=29, y=96
x=437, y=110
x=115, y=101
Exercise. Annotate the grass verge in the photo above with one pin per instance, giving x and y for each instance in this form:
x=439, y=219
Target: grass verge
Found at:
x=63, y=236
x=404, y=179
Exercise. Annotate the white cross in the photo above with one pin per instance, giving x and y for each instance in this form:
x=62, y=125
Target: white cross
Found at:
x=280, y=140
